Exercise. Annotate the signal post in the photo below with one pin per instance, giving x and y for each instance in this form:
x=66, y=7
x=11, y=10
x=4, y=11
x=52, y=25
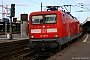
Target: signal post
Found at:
x=12, y=14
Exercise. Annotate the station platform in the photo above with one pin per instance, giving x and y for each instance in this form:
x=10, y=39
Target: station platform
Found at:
x=80, y=50
x=16, y=37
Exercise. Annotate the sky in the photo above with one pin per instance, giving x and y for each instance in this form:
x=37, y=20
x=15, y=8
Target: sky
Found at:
x=28, y=6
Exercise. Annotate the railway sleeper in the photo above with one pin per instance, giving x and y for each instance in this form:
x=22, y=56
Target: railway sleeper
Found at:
x=12, y=51
x=13, y=43
x=6, y=48
x=23, y=56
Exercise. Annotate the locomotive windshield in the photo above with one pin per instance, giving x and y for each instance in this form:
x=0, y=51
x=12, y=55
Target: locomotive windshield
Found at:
x=50, y=19
x=44, y=19
x=37, y=19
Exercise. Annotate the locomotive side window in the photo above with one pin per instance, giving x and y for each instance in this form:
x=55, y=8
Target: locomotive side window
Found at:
x=63, y=18
x=50, y=18
x=37, y=19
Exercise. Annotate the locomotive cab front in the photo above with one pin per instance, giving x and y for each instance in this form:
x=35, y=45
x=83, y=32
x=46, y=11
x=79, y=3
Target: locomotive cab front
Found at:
x=43, y=29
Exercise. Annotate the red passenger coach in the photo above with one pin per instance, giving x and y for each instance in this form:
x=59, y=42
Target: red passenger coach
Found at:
x=50, y=29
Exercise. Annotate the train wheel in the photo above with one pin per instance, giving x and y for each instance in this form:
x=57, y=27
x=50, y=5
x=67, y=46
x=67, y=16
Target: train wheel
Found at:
x=59, y=48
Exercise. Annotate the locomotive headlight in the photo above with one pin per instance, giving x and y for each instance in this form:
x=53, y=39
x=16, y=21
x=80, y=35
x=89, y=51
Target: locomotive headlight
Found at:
x=43, y=26
x=56, y=35
x=32, y=36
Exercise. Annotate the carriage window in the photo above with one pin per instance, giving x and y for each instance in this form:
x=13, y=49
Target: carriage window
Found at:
x=63, y=18
x=50, y=18
x=37, y=19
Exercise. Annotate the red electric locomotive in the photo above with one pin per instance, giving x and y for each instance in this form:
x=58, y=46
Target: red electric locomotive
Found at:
x=50, y=29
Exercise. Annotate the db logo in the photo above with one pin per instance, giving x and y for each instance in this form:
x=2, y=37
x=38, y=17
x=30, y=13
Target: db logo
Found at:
x=43, y=30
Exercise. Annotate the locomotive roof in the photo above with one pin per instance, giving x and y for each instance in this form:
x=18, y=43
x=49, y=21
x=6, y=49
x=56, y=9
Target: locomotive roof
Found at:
x=47, y=12
x=53, y=12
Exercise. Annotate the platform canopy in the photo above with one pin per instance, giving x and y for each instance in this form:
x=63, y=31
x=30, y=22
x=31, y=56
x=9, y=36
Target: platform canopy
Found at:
x=86, y=25
x=87, y=20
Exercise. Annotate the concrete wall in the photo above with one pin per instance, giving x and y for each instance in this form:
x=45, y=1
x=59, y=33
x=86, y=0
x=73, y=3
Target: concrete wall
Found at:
x=24, y=24
x=24, y=27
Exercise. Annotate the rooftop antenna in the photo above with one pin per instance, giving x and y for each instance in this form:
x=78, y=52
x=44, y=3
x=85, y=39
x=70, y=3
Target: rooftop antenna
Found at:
x=41, y=6
x=68, y=6
x=52, y=8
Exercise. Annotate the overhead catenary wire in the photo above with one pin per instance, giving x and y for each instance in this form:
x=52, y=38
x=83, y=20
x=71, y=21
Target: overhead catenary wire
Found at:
x=34, y=2
x=81, y=5
x=68, y=4
x=84, y=7
x=63, y=1
x=73, y=6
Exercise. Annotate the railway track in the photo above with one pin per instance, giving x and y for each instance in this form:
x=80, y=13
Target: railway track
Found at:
x=12, y=50
x=17, y=50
